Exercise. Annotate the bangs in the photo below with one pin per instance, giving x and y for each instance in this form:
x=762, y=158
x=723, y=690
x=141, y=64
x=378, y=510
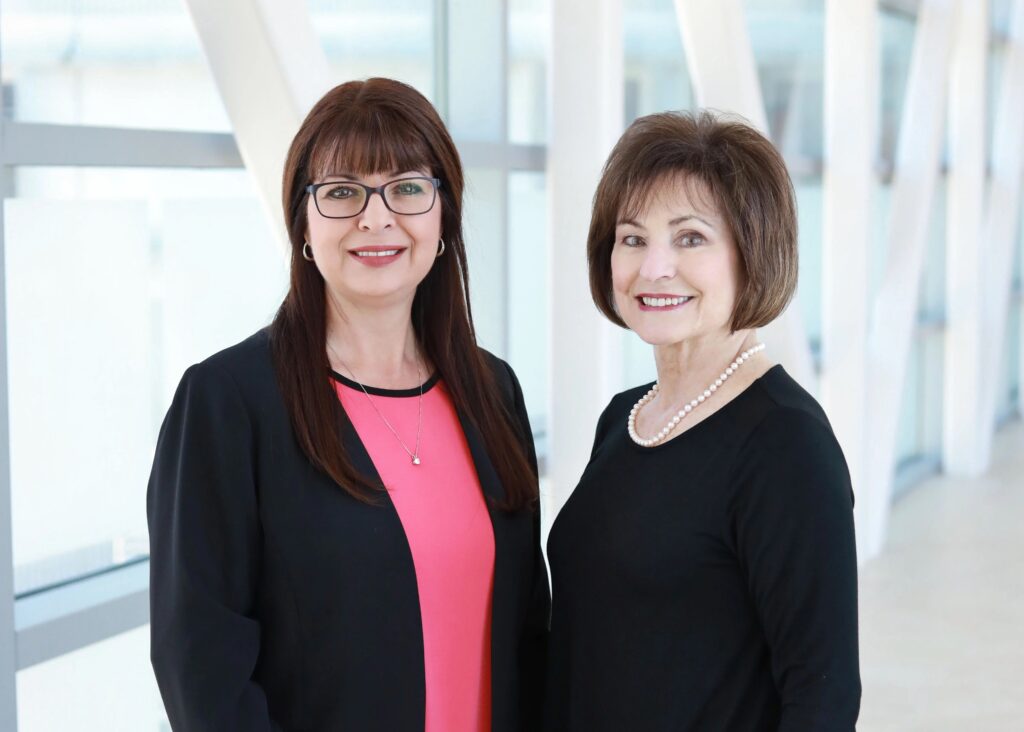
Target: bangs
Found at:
x=642, y=186
x=375, y=141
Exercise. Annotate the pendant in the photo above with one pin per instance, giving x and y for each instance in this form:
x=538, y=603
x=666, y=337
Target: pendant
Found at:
x=415, y=460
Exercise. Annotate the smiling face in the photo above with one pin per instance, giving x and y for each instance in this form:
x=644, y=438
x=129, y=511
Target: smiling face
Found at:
x=375, y=258
x=676, y=269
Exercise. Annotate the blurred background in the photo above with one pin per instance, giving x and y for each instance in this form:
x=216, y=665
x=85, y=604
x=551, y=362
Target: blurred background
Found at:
x=140, y=234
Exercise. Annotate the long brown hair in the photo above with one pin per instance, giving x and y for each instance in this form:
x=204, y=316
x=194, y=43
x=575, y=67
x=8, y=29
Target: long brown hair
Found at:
x=369, y=127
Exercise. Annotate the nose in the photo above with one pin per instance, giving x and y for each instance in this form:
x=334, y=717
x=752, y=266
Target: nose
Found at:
x=376, y=216
x=659, y=263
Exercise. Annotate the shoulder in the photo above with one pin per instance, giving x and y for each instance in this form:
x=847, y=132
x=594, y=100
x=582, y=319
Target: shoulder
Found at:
x=504, y=375
x=782, y=415
x=789, y=450
x=618, y=408
x=242, y=373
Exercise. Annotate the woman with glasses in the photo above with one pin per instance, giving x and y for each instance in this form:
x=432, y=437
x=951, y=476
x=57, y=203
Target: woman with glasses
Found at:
x=342, y=508
x=703, y=571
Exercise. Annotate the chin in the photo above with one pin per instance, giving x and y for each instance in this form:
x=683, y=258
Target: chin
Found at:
x=661, y=336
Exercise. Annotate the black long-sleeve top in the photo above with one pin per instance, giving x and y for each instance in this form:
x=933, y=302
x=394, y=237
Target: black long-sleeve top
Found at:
x=279, y=602
x=710, y=582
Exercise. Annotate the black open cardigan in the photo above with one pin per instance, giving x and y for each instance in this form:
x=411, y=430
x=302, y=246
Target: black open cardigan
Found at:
x=278, y=602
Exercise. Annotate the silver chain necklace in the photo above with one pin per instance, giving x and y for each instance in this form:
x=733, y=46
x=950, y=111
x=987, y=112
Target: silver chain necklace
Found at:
x=415, y=455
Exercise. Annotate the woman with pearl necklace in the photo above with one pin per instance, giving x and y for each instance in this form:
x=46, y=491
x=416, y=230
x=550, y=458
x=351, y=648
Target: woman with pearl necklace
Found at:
x=704, y=569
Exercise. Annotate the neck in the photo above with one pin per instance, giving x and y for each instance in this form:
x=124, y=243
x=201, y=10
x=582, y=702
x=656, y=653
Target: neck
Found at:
x=686, y=368
x=374, y=345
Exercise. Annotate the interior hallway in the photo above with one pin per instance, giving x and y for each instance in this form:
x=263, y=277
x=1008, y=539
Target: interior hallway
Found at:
x=942, y=609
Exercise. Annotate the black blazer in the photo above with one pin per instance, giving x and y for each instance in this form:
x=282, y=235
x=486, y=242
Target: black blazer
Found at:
x=278, y=602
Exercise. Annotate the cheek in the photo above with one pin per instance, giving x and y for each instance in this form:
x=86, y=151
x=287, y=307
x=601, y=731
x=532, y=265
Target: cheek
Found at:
x=623, y=273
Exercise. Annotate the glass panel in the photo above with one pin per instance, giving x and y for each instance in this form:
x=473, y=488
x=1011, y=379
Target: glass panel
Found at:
x=932, y=300
x=117, y=280
x=124, y=63
x=930, y=407
x=484, y=212
x=656, y=76
x=529, y=28
x=787, y=37
x=810, y=208
x=394, y=39
x=528, y=291
x=896, y=33
x=106, y=687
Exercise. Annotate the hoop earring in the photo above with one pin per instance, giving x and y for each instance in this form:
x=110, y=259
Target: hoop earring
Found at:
x=441, y=250
x=307, y=251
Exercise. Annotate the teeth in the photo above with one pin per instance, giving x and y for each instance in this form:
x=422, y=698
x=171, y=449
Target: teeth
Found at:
x=661, y=302
x=384, y=253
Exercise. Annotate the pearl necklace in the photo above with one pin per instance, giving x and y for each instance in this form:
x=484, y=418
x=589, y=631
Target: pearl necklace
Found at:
x=689, y=407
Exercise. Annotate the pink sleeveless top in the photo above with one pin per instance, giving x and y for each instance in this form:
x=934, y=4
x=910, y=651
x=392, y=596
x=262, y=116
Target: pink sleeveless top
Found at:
x=449, y=530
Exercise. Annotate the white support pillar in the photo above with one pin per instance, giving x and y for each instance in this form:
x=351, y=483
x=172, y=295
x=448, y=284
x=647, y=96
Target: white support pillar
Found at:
x=270, y=69
x=8, y=636
x=895, y=306
x=966, y=251
x=1002, y=218
x=851, y=106
x=724, y=76
x=586, y=81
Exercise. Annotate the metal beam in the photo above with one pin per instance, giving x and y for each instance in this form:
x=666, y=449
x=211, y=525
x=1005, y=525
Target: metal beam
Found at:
x=62, y=620
x=586, y=77
x=851, y=107
x=895, y=305
x=479, y=154
x=724, y=75
x=963, y=434
x=28, y=143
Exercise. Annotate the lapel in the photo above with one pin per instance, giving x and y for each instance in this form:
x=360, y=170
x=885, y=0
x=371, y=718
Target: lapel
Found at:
x=485, y=472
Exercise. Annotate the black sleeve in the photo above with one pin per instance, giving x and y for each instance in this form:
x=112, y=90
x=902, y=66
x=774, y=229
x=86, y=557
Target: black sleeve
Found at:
x=533, y=647
x=793, y=514
x=204, y=560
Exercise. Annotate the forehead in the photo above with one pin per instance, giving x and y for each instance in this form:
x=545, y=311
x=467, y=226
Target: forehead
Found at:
x=670, y=195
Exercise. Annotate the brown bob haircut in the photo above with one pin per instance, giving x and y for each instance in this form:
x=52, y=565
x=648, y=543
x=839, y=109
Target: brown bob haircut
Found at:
x=724, y=159
x=381, y=126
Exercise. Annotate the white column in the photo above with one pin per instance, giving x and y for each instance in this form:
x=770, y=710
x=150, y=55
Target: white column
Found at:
x=8, y=659
x=966, y=251
x=270, y=69
x=1002, y=218
x=851, y=107
x=724, y=76
x=895, y=306
x=586, y=119
x=8, y=653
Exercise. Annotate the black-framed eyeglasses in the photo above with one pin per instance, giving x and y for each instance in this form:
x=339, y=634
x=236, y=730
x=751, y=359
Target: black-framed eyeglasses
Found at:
x=343, y=199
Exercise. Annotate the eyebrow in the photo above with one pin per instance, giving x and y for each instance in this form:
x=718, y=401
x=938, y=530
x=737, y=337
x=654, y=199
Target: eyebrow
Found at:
x=673, y=222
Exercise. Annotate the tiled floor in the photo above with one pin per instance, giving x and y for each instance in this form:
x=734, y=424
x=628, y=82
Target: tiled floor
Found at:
x=942, y=609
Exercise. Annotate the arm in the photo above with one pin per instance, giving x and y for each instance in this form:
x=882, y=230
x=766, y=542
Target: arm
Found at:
x=793, y=523
x=533, y=648
x=204, y=560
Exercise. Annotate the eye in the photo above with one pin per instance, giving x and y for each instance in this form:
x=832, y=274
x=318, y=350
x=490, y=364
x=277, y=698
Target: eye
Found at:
x=407, y=188
x=632, y=240
x=691, y=239
x=340, y=193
